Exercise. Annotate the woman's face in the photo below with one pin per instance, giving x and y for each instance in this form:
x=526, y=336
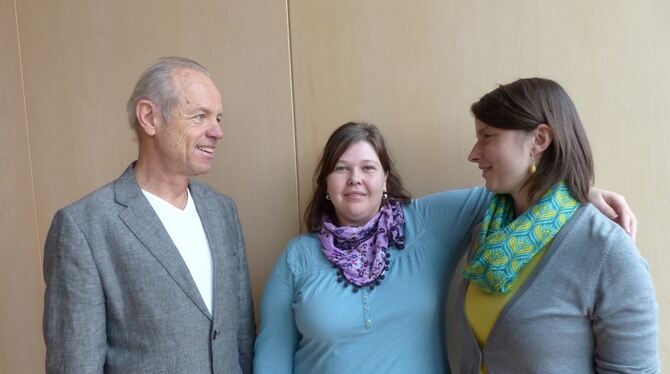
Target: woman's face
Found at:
x=356, y=185
x=503, y=156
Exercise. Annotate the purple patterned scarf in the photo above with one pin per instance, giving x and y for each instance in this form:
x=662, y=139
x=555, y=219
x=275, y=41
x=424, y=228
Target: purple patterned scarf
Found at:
x=359, y=253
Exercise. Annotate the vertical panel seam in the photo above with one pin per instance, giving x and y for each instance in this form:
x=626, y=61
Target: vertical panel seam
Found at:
x=293, y=121
x=25, y=117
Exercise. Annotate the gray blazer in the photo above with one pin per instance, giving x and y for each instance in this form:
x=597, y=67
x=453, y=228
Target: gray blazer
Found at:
x=120, y=299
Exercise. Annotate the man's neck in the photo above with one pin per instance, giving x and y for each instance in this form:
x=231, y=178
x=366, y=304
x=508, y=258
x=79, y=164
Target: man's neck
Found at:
x=171, y=188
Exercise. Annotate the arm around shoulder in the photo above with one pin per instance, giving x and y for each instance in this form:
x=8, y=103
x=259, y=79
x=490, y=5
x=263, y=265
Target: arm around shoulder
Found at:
x=74, y=319
x=454, y=210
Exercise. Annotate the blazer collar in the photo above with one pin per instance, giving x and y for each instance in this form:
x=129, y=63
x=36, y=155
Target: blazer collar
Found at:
x=220, y=228
x=142, y=220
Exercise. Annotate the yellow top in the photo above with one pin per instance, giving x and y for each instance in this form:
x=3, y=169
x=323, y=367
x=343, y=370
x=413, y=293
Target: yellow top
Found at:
x=482, y=309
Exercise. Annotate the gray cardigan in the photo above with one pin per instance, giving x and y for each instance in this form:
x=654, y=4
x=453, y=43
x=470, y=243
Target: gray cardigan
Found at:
x=588, y=307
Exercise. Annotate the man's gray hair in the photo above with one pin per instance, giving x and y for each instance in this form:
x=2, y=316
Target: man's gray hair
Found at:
x=156, y=85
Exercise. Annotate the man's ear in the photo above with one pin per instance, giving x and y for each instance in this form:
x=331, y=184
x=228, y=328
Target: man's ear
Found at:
x=148, y=116
x=543, y=138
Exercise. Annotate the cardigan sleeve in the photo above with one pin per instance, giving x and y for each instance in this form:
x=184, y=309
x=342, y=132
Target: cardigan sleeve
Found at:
x=625, y=314
x=278, y=336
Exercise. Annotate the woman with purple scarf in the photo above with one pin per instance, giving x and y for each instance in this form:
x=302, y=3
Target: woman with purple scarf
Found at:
x=362, y=292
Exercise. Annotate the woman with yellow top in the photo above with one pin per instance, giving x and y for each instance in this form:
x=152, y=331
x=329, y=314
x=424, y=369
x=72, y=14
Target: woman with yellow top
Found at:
x=549, y=285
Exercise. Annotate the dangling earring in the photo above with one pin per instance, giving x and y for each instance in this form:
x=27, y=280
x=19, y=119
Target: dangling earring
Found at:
x=385, y=196
x=532, y=168
x=327, y=196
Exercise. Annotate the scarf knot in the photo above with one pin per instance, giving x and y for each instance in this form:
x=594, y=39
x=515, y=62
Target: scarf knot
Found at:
x=360, y=253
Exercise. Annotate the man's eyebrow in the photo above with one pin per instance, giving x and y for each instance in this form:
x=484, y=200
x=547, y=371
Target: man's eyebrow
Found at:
x=201, y=109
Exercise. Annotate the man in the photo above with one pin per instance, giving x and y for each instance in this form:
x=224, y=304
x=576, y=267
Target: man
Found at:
x=148, y=274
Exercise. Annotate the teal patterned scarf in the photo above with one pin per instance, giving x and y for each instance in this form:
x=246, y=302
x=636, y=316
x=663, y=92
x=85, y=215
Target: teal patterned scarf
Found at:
x=506, y=244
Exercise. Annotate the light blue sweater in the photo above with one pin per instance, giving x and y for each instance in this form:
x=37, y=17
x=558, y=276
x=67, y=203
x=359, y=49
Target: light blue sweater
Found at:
x=587, y=307
x=310, y=323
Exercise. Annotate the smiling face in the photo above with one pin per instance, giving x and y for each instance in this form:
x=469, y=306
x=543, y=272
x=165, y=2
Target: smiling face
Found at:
x=503, y=156
x=186, y=142
x=356, y=185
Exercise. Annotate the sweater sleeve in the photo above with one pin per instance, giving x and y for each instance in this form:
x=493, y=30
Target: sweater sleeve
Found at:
x=625, y=314
x=278, y=336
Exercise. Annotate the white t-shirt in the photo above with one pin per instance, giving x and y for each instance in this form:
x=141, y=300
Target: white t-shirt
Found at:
x=187, y=234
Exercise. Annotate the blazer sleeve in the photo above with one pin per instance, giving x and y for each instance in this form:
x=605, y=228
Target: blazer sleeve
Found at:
x=247, y=324
x=625, y=315
x=74, y=304
x=277, y=340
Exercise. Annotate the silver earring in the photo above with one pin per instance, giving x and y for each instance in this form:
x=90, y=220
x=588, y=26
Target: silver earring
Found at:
x=327, y=196
x=385, y=196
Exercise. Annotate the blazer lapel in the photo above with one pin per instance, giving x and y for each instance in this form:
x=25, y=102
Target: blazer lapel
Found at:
x=141, y=219
x=219, y=228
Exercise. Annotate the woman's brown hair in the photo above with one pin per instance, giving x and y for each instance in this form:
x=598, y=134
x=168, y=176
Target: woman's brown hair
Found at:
x=338, y=143
x=527, y=103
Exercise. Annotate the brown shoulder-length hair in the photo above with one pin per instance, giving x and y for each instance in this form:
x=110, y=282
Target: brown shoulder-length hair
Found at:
x=527, y=103
x=338, y=143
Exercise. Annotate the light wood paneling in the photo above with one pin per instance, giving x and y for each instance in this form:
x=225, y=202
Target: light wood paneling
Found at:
x=20, y=278
x=81, y=60
x=411, y=67
x=258, y=165
x=415, y=68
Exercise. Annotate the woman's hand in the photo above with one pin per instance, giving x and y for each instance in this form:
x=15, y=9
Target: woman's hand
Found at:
x=615, y=207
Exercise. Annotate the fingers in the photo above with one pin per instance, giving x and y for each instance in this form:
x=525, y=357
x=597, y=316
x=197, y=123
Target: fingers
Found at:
x=607, y=210
x=599, y=198
x=628, y=222
x=615, y=207
x=625, y=216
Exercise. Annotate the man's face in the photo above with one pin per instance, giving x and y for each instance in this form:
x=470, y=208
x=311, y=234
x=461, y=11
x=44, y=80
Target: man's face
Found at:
x=186, y=142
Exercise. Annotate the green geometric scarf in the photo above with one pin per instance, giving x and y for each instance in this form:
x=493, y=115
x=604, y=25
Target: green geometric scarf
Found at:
x=506, y=244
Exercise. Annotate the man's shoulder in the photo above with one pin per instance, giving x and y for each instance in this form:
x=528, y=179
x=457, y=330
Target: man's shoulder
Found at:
x=99, y=199
x=104, y=196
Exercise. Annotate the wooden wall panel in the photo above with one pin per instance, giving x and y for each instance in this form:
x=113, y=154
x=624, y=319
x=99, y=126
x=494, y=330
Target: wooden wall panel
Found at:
x=258, y=167
x=81, y=60
x=20, y=278
x=412, y=68
x=415, y=68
